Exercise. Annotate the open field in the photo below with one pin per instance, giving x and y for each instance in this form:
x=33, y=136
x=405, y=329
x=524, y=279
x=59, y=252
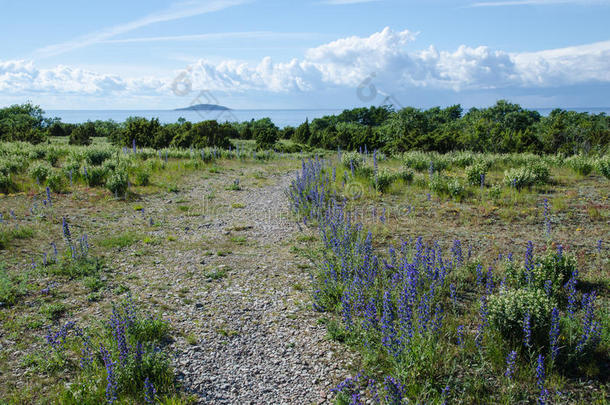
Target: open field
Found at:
x=212, y=276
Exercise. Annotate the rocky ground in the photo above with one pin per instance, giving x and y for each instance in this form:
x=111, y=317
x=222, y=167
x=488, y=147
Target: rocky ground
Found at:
x=239, y=297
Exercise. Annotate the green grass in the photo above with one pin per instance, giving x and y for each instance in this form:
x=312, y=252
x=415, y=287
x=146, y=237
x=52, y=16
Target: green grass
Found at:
x=11, y=287
x=8, y=234
x=120, y=241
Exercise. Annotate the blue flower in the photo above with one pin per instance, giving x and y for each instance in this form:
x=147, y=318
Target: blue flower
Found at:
x=510, y=364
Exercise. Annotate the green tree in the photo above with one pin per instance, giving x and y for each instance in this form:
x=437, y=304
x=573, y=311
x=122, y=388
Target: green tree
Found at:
x=82, y=134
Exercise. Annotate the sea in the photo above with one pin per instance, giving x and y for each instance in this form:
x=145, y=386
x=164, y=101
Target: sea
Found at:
x=281, y=118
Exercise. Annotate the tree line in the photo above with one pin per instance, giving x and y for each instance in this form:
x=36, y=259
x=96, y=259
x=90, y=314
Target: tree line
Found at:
x=502, y=128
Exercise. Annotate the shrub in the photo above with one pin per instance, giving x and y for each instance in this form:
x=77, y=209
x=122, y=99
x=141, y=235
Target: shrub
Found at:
x=508, y=308
x=82, y=134
x=352, y=160
x=71, y=166
x=582, y=165
x=540, y=173
x=6, y=184
x=12, y=164
x=40, y=172
x=417, y=161
x=97, y=156
x=95, y=176
x=407, y=175
x=456, y=189
x=495, y=191
x=438, y=184
x=57, y=182
x=384, y=180
x=519, y=178
x=52, y=156
x=554, y=267
x=474, y=173
x=143, y=177
x=118, y=182
x=603, y=165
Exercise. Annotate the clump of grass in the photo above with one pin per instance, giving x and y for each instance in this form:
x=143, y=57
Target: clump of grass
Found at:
x=8, y=234
x=217, y=274
x=75, y=268
x=121, y=240
x=53, y=311
x=11, y=287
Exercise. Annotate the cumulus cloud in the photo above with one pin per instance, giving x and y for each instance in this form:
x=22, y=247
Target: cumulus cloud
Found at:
x=22, y=77
x=343, y=63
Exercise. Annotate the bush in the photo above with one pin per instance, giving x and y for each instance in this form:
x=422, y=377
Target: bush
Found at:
x=582, y=165
x=97, y=156
x=82, y=134
x=40, y=172
x=142, y=177
x=57, y=182
x=95, y=176
x=554, y=267
x=6, y=184
x=12, y=164
x=407, y=175
x=352, y=160
x=495, y=192
x=417, y=161
x=438, y=184
x=540, y=173
x=474, y=173
x=71, y=166
x=519, y=178
x=603, y=165
x=384, y=180
x=118, y=182
x=508, y=308
x=52, y=156
x=456, y=189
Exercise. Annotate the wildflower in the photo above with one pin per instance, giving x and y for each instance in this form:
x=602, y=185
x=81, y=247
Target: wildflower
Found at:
x=460, y=336
x=540, y=377
x=547, y=218
x=570, y=286
x=527, y=330
x=149, y=391
x=111, y=386
x=554, y=333
x=510, y=364
x=49, y=196
x=66, y=230
x=591, y=329
x=394, y=391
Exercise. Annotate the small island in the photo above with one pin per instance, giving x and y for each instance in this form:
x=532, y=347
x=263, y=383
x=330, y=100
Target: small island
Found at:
x=206, y=107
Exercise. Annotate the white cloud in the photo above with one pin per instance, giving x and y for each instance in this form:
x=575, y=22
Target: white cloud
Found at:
x=341, y=64
x=175, y=12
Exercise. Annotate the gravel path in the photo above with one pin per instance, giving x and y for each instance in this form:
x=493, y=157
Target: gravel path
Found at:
x=247, y=335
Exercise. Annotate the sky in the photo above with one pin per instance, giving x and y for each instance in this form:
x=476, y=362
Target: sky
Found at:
x=280, y=54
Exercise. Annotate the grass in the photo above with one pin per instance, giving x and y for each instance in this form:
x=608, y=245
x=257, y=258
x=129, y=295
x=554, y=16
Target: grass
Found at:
x=120, y=241
x=8, y=234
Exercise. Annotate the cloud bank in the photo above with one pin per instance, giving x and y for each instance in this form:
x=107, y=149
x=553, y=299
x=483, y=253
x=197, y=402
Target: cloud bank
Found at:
x=343, y=63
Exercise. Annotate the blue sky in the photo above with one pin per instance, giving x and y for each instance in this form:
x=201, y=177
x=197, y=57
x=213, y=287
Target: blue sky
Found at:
x=306, y=54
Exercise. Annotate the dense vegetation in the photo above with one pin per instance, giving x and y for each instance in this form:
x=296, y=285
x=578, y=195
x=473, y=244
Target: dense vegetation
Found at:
x=502, y=128
x=438, y=322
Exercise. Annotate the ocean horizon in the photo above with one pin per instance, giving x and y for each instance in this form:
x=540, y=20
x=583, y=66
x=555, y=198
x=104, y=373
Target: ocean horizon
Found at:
x=281, y=117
